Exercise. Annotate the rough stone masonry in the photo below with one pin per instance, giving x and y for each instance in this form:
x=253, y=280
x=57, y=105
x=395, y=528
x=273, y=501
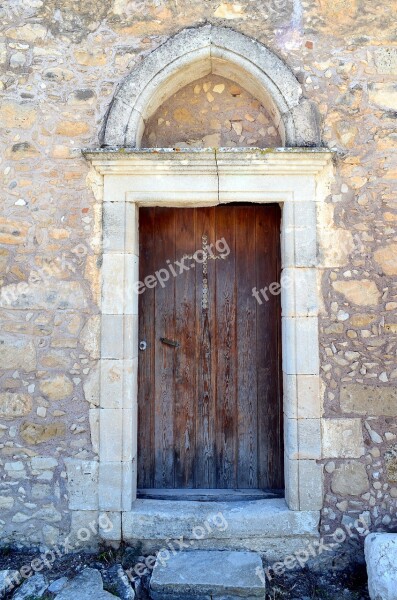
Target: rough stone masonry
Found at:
x=61, y=63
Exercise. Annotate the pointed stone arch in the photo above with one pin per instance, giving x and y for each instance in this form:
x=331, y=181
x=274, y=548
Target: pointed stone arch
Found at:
x=194, y=53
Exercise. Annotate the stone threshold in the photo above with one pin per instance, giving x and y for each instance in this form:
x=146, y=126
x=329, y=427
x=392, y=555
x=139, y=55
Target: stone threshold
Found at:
x=265, y=526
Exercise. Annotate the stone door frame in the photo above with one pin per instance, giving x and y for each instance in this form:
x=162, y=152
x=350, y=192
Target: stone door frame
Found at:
x=297, y=179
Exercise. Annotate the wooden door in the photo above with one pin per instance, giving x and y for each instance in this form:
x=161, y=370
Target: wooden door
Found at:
x=209, y=391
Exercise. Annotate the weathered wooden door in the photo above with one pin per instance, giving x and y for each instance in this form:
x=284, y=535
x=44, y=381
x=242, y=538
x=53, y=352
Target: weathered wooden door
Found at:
x=209, y=399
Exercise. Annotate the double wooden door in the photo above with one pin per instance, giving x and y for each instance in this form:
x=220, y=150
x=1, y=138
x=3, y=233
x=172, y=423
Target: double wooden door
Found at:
x=209, y=391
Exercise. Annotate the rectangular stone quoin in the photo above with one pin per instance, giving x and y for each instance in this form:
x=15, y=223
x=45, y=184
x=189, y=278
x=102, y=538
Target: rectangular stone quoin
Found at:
x=208, y=575
x=369, y=399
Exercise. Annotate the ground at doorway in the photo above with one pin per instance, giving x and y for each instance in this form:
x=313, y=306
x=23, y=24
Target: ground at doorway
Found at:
x=294, y=585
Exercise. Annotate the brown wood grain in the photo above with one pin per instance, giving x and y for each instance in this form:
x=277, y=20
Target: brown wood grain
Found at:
x=210, y=410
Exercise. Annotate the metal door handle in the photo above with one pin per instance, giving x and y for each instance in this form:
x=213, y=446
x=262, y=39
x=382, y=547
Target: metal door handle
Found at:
x=169, y=342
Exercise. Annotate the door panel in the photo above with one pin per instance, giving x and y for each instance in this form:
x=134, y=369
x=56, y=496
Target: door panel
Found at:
x=210, y=408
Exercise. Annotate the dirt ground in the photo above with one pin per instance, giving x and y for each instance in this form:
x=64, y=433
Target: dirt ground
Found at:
x=294, y=585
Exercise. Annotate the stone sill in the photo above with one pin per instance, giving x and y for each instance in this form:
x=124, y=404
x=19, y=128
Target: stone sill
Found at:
x=161, y=519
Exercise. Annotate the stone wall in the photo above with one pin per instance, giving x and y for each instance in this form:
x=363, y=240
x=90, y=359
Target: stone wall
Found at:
x=61, y=63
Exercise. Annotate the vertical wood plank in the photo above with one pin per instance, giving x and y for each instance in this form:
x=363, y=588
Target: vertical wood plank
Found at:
x=185, y=354
x=226, y=417
x=267, y=229
x=246, y=386
x=205, y=471
x=164, y=326
x=146, y=382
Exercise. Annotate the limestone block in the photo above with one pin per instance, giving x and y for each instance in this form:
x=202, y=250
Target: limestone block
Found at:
x=112, y=336
x=40, y=463
x=342, y=438
x=33, y=433
x=87, y=585
x=13, y=114
x=381, y=558
x=110, y=485
x=362, y=292
x=84, y=529
x=32, y=33
x=60, y=295
x=93, y=416
x=350, y=479
x=291, y=474
x=299, y=292
x=17, y=354
x=91, y=386
x=208, y=574
x=306, y=121
x=386, y=60
x=310, y=485
x=302, y=396
x=90, y=334
x=369, y=400
x=391, y=463
x=56, y=388
x=114, y=224
x=113, y=284
x=111, y=434
x=13, y=405
x=8, y=579
x=110, y=526
x=386, y=257
x=300, y=343
x=82, y=484
x=299, y=234
x=302, y=438
x=383, y=95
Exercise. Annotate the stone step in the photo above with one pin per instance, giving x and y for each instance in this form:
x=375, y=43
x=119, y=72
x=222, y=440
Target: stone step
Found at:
x=208, y=575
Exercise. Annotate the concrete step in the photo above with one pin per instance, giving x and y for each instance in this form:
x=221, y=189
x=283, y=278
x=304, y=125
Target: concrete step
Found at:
x=208, y=575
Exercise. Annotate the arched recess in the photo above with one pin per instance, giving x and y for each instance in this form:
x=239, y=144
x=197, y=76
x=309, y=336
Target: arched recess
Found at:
x=194, y=53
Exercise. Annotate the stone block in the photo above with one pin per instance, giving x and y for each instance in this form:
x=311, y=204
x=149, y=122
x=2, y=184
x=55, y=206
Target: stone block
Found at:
x=114, y=226
x=300, y=344
x=113, y=284
x=369, y=400
x=265, y=519
x=383, y=95
x=350, y=479
x=299, y=234
x=110, y=485
x=82, y=483
x=35, y=433
x=56, y=388
x=129, y=482
x=208, y=575
x=342, y=438
x=14, y=405
x=306, y=122
x=118, y=383
x=111, y=434
x=361, y=292
x=302, y=396
x=299, y=292
x=112, y=336
x=291, y=474
x=132, y=228
x=386, y=60
x=302, y=438
x=87, y=585
x=310, y=485
x=381, y=559
x=17, y=354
